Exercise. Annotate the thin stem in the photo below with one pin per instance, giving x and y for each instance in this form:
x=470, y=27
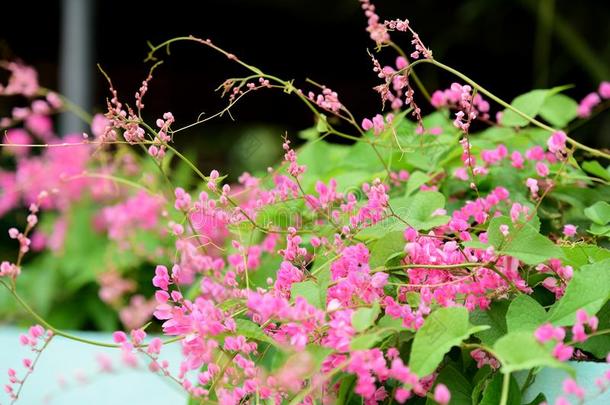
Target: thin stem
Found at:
x=590, y=335
x=505, y=387
x=67, y=335
x=503, y=103
x=489, y=94
x=416, y=78
x=31, y=369
x=433, y=266
x=319, y=269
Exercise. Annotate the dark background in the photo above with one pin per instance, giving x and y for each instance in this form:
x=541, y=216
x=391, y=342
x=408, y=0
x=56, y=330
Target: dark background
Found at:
x=504, y=45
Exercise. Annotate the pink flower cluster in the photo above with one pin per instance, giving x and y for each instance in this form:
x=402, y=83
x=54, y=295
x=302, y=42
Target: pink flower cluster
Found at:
x=37, y=339
x=591, y=100
x=562, y=351
x=232, y=283
x=327, y=100
x=377, y=123
x=459, y=97
x=139, y=212
x=563, y=276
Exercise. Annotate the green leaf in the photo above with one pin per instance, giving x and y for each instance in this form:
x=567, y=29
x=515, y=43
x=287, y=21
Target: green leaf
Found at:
x=443, y=329
x=323, y=276
x=317, y=168
x=459, y=386
x=498, y=134
x=381, y=228
x=520, y=351
x=480, y=380
x=540, y=398
x=370, y=339
x=268, y=269
x=364, y=318
x=559, y=110
x=322, y=124
x=308, y=290
x=580, y=254
x=383, y=248
x=251, y=330
x=495, y=317
x=387, y=321
x=416, y=180
x=347, y=388
x=522, y=242
x=588, y=290
x=599, y=212
x=530, y=104
x=309, y=134
x=524, y=313
x=493, y=392
x=417, y=210
x=599, y=230
x=596, y=169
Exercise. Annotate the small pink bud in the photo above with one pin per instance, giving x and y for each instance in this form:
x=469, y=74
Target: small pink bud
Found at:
x=367, y=124
x=402, y=395
x=13, y=233
x=569, y=230
x=604, y=90
x=379, y=280
x=504, y=229
x=563, y=352
x=442, y=394
x=24, y=340
x=119, y=337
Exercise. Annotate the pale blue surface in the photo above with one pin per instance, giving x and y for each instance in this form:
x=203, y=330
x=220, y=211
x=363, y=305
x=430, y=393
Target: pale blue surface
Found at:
x=68, y=359
x=549, y=382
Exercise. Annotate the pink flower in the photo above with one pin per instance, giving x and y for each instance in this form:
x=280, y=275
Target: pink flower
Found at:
x=548, y=332
x=379, y=280
x=442, y=394
x=119, y=337
x=154, y=347
x=542, y=169
x=137, y=336
x=562, y=352
x=578, y=333
x=17, y=136
x=571, y=387
x=569, y=230
x=557, y=142
x=402, y=395
x=532, y=184
x=378, y=124
x=99, y=125
x=585, y=108
x=504, y=229
x=367, y=124
x=161, y=278
x=604, y=90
